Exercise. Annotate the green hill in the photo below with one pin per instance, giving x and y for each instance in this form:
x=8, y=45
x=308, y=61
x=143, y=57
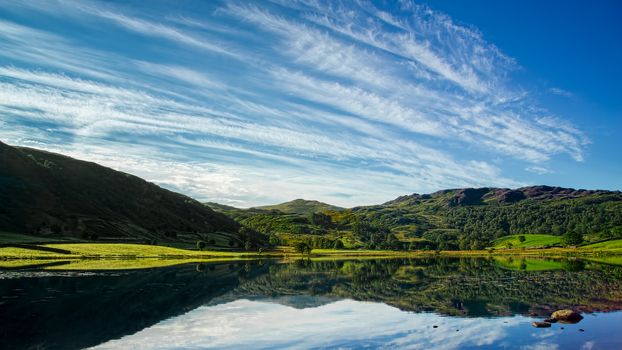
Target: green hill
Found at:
x=53, y=196
x=470, y=218
x=219, y=207
x=57, y=198
x=302, y=207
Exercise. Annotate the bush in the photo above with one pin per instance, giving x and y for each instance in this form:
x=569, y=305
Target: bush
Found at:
x=338, y=244
x=572, y=238
x=201, y=245
x=303, y=247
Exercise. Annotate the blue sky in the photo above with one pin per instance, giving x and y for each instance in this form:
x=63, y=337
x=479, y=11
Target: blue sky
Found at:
x=250, y=103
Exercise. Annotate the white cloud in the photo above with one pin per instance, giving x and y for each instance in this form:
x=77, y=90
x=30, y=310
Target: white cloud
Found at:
x=539, y=170
x=560, y=92
x=304, y=101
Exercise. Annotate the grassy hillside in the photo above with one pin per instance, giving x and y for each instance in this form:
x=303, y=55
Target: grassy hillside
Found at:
x=452, y=219
x=530, y=241
x=302, y=207
x=607, y=245
x=53, y=196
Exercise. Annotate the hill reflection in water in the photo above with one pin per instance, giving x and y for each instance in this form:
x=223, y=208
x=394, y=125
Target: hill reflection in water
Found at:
x=349, y=303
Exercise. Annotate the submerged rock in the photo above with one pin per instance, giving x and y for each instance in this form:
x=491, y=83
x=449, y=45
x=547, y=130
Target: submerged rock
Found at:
x=567, y=316
x=541, y=324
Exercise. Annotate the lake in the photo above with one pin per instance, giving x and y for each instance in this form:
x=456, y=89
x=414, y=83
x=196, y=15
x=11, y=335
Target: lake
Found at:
x=432, y=303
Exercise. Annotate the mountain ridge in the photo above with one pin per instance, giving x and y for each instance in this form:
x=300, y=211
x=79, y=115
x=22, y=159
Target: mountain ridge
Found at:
x=301, y=206
x=44, y=193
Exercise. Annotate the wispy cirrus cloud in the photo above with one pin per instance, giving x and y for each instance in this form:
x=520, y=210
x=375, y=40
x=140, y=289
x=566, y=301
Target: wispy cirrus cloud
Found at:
x=307, y=98
x=560, y=92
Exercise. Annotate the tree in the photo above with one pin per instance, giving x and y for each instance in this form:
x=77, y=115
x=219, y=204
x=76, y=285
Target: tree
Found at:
x=572, y=238
x=303, y=247
x=338, y=244
x=521, y=238
x=201, y=245
x=274, y=240
x=320, y=219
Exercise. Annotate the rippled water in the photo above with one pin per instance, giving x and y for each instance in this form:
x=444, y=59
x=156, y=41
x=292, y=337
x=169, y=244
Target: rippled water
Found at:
x=398, y=303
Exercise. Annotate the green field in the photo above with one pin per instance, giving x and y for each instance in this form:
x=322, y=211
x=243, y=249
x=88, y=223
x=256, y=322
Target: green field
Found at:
x=615, y=244
x=112, y=250
x=120, y=251
x=531, y=241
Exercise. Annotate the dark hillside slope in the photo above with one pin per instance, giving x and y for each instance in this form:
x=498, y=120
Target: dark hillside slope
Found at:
x=50, y=194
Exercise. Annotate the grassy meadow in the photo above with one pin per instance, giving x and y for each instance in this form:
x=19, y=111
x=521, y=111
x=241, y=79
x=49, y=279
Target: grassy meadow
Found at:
x=23, y=250
x=530, y=241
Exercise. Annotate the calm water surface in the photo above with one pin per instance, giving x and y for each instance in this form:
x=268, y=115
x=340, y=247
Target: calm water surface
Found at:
x=398, y=303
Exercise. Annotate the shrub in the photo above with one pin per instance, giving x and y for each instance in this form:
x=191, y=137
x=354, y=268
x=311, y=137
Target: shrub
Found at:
x=572, y=238
x=338, y=244
x=201, y=245
x=303, y=247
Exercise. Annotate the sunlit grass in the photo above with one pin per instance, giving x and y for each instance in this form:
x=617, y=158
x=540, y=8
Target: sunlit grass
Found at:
x=135, y=251
x=608, y=245
x=531, y=241
x=113, y=250
x=24, y=253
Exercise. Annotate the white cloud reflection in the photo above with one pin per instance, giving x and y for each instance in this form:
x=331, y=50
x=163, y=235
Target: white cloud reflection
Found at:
x=345, y=324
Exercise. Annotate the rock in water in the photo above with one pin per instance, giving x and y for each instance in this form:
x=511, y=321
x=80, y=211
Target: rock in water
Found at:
x=541, y=324
x=567, y=316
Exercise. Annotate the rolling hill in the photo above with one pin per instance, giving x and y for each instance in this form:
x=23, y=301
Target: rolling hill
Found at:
x=468, y=218
x=51, y=195
x=302, y=207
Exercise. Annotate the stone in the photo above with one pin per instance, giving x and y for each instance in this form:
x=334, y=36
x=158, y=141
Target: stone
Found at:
x=541, y=324
x=567, y=316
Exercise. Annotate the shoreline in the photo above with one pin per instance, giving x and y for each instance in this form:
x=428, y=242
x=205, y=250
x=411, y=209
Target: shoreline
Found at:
x=71, y=251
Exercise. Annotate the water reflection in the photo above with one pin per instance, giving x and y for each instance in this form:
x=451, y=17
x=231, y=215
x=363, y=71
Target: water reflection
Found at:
x=347, y=304
x=349, y=324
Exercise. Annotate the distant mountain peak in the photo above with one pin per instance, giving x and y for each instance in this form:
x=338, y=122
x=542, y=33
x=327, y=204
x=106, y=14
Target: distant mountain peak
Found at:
x=301, y=206
x=483, y=195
